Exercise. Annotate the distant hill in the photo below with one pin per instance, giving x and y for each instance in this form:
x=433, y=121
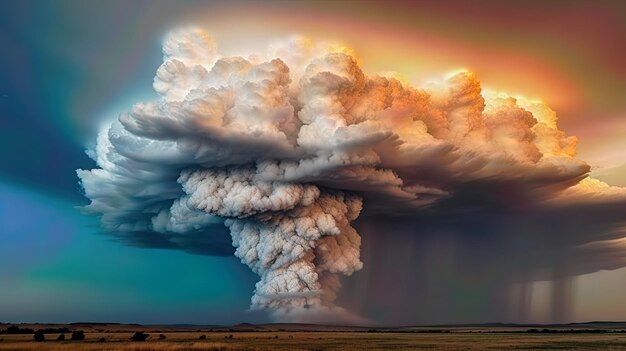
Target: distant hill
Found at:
x=303, y=327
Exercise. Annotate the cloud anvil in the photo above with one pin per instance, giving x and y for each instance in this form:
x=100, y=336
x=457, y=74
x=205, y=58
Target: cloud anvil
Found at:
x=286, y=148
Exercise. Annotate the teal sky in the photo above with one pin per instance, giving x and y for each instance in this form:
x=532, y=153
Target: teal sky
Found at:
x=55, y=266
x=66, y=69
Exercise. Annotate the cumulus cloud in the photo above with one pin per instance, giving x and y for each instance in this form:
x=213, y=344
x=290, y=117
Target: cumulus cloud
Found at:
x=286, y=148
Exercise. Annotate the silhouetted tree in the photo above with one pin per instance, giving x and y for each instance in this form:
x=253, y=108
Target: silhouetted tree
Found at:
x=61, y=337
x=38, y=336
x=78, y=335
x=102, y=340
x=139, y=336
x=161, y=337
x=202, y=337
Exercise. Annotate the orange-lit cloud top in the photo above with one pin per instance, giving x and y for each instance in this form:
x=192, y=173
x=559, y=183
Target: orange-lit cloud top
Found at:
x=417, y=55
x=552, y=51
x=566, y=54
x=286, y=147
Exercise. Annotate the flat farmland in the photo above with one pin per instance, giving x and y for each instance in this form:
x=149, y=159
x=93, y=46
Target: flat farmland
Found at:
x=322, y=340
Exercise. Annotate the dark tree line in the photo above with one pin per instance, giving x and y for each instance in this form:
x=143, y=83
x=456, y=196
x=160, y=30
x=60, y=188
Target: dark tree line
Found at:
x=14, y=329
x=77, y=335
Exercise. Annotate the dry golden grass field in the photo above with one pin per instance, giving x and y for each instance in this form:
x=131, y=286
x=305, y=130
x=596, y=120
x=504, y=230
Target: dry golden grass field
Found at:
x=323, y=340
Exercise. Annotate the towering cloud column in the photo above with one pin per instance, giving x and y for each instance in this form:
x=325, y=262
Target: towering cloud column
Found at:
x=296, y=237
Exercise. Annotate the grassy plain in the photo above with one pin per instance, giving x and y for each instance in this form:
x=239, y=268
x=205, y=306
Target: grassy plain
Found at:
x=321, y=340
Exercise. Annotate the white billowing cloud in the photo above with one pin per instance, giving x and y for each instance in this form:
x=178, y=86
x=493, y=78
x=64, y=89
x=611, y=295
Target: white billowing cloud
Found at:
x=284, y=151
x=591, y=190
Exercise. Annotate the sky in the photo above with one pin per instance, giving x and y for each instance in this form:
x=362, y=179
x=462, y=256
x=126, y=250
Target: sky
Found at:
x=70, y=65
